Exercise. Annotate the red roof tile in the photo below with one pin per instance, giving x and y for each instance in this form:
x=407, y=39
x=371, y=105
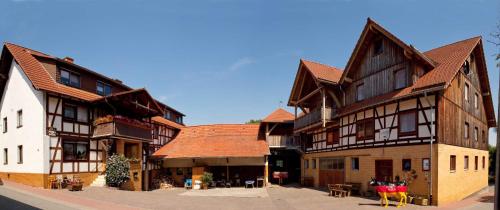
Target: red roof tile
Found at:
x=278, y=116
x=322, y=71
x=450, y=59
x=210, y=141
x=39, y=76
x=164, y=121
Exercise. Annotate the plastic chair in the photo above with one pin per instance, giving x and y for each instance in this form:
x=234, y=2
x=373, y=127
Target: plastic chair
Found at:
x=188, y=183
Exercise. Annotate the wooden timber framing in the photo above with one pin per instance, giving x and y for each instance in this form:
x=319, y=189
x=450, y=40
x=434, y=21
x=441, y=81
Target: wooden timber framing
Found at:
x=385, y=117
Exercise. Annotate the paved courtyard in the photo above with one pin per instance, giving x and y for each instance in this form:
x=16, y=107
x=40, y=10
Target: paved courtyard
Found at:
x=274, y=197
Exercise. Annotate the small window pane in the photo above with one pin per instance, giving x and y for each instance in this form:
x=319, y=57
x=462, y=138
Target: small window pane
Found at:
x=65, y=77
x=466, y=92
x=19, y=118
x=406, y=164
x=20, y=154
x=75, y=80
x=453, y=162
x=400, y=79
x=466, y=130
x=70, y=112
x=5, y=124
x=355, y=163
x=5, y=156
x=407, y=122
x=466, y=162
x=359, y=93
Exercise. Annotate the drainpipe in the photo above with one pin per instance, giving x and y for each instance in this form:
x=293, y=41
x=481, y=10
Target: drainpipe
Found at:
x=431, y=140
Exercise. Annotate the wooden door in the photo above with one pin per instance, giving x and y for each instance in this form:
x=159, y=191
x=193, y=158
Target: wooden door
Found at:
x=383, y=170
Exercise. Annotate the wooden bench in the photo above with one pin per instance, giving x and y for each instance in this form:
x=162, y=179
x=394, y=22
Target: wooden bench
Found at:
x=337, y=190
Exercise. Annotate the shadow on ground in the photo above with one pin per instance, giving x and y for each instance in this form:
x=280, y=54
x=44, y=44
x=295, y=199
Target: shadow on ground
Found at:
x=8, y=204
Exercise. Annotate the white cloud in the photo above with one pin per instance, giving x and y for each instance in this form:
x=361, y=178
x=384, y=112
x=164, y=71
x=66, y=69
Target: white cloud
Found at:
x=240, y=63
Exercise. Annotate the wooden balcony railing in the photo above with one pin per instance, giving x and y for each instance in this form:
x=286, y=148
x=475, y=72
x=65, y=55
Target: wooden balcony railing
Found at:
x=121, y=127
x=314, y=117
x=282, y=141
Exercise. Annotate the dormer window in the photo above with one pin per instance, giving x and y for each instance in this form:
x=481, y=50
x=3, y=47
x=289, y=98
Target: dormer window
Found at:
x=178, y=119
x=70, y=78
x=167, y=115
x=103, y=89
x=378, y=47
x=400, y=80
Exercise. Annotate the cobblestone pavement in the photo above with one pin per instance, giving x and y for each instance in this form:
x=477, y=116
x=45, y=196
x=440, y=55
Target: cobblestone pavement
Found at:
x=289, y=198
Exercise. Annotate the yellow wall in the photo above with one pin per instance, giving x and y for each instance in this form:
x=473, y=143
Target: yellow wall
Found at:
x=458, y=184
x=42, y=180
x=445, y=188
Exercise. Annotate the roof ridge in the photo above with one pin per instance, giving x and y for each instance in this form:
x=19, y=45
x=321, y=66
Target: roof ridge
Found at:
x=17, y=45
x=456, y=42
x=316, y=62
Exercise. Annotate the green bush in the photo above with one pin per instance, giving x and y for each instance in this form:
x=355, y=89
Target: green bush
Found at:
x=117, y=170
x=207, y=178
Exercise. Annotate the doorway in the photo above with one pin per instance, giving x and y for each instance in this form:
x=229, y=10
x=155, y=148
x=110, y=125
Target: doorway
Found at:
x=383, y=170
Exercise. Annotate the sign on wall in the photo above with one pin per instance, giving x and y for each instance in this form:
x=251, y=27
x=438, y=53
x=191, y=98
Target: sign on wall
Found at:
x=51, y=131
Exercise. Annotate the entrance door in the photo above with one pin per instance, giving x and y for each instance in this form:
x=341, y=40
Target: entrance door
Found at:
x=383, y=170
x=331, y=171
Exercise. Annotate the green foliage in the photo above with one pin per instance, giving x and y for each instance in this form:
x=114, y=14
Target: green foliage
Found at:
x=252, y=121
x=493, y=156
x=117, y=170
x=207, y=178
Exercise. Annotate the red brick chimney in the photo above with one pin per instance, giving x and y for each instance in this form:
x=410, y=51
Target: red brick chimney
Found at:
x=68, y=59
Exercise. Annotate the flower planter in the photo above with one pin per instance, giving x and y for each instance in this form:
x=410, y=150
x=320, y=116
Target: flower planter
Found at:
x=75, y=187
x=204, y=186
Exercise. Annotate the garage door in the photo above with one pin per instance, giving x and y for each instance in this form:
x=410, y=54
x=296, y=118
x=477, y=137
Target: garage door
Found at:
x=331, y=171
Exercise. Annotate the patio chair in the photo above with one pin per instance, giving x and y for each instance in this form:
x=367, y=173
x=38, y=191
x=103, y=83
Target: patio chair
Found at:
x=250, y=183
x=188, y=184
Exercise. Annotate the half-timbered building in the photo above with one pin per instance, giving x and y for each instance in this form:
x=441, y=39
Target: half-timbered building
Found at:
x=60, y=119
x=395, y=112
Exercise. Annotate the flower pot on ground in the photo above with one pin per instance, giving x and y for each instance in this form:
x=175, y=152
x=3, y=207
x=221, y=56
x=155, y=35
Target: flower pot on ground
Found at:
x=206, y=179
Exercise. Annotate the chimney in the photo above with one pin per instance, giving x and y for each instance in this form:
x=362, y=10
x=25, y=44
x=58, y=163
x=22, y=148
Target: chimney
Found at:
x=68, y=59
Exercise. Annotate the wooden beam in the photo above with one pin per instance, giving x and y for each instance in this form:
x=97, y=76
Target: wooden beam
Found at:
x=347, y=79
x=335, y=99
x=309, y=95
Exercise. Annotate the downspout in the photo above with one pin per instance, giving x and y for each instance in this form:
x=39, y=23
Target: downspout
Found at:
x=431, y=140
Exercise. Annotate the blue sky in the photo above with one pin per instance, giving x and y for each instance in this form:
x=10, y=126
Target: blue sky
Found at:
x=225, y=61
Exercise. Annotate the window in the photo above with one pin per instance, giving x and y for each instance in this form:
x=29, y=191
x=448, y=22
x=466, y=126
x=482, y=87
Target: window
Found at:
x=178, y=119
x=365, y=129
x=103, y=89
x=306, y=163
x=407, y=123
x=5, y=156
x=400, y=80
x=70, y=78
x=355, y=163
x=332, y=136
x=476, y=134
x=20, y=118
x=476, y=98
x=279, y=163
x=466, y=162
x=20, y=154
x=5, y=124
x=69, y=112
x=167, y=115
x=406, y=164
x=331, y=164
x=313, y=165
x=466, y=130
x=484, y=136
x=359, y=93
x=466, y=92
x=484, y=162
x=453, y=162
x=75, y=150
x=378, y=47
x=476, y=160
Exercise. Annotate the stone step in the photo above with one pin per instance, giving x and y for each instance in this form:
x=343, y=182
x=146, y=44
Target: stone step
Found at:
x=100, y=181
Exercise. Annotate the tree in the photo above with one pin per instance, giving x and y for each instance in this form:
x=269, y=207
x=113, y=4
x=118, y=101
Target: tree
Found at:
x=252, y=121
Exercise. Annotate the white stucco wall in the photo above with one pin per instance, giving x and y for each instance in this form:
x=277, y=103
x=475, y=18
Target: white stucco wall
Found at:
x=20, y=94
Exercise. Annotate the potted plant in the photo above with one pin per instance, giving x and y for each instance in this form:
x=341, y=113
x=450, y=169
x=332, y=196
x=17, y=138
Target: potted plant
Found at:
x=75, y=185
x=206, y=179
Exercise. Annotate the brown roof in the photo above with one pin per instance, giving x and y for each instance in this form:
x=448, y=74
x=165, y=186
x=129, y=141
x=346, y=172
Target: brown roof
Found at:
x=278, y=116
x=450, y=59
x=323, y=72
x=164, y=121
x=215, y=141
x=39, y=76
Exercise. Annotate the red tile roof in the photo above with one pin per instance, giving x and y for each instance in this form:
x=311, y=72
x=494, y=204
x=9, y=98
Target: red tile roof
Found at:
x=215, y=141
x=450, y=59
x=322, y=71
x=278, y=116
x=39, y=76
x=164, y=121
